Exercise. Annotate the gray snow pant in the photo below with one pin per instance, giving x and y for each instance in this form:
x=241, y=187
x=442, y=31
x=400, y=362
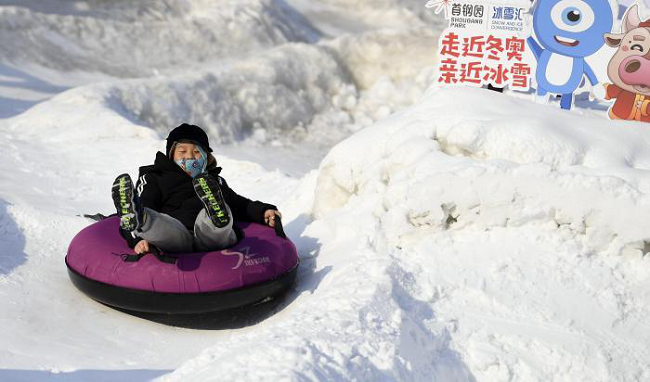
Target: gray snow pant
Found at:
x=170, y=235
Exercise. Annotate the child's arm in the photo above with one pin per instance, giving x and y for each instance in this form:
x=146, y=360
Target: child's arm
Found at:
x=148, y=192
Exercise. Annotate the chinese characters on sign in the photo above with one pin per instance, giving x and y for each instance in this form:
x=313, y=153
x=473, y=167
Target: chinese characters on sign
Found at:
x=482, y=46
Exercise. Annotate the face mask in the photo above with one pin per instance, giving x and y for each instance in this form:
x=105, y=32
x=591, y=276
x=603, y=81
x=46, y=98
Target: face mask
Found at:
x=194, y=167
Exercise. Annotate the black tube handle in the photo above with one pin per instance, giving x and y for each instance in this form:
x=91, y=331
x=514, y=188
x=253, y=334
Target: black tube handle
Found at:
x=129, y=258
x=278, y=227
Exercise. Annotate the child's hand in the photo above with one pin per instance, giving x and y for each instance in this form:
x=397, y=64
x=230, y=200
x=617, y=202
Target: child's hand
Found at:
x=141, y=247
x=269, y=217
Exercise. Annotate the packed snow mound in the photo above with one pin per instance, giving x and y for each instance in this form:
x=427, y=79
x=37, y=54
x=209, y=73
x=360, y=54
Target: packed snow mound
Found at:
x=395, y=54
x=268, y=97
x=276, y=94
x=469, y=158
x=133, y=39
x=258, y=84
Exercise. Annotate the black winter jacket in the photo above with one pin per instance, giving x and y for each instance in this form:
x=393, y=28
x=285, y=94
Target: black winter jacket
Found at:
x=165, y=187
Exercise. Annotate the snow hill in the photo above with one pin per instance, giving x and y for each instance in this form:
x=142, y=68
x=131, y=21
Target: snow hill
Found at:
x=454, y=235
x=254, y=71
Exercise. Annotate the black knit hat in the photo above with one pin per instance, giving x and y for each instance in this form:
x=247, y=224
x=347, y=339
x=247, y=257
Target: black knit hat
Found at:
x=190, y=133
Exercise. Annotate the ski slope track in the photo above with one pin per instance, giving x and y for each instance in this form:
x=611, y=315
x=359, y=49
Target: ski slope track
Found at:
x=444, y=234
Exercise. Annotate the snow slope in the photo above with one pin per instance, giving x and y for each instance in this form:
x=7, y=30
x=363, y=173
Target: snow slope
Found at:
x=83, y=101
x=98, y=36
x=494, y=240
x=63, y=167
x=469, y=236
x=254, y=72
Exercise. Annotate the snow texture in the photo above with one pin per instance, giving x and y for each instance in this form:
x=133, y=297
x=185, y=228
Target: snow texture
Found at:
x=500, y=240
x=451, y=235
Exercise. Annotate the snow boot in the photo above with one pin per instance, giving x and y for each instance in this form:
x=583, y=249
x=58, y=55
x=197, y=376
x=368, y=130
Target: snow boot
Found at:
x=208, y=190
x=126, y=203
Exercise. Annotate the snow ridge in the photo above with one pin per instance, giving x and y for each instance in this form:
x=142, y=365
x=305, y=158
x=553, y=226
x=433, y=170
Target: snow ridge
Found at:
x=170, y=34
x=484, y=172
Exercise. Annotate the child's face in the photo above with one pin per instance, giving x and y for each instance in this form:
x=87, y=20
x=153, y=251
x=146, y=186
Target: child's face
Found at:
x=186, y=151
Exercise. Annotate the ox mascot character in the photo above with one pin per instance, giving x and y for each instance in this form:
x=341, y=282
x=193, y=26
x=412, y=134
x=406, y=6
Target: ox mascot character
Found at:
x=567, y=31
x=629, y=69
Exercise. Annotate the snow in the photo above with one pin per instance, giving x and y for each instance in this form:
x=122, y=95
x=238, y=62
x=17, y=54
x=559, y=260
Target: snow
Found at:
x=444, y=234
x=169, y=34
x=467, y=246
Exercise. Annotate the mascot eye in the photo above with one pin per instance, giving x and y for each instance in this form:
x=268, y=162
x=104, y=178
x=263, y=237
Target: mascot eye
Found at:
x=637, y=47
x=572, y=16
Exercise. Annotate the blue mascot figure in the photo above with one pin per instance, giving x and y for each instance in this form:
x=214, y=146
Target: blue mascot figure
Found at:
x=568, y=31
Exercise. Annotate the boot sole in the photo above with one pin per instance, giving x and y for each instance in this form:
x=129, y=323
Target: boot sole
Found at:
x=209, y=192
x=122, y=193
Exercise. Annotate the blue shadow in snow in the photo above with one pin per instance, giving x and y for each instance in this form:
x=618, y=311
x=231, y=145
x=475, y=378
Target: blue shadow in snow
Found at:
x=139, y=375
x=12, y=242
x=10, y=107
x=308, y=251
x=13, y=78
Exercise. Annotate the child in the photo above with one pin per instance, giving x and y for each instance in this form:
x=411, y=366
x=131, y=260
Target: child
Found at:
x=181, y=204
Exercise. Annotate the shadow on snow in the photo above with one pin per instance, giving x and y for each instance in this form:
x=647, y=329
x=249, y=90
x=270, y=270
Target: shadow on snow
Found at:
x=81, y=375
x=12, y=242
x=17, y=79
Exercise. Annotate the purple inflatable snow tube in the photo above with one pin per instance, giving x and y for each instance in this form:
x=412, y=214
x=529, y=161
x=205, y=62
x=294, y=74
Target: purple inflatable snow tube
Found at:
x=260, y=265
